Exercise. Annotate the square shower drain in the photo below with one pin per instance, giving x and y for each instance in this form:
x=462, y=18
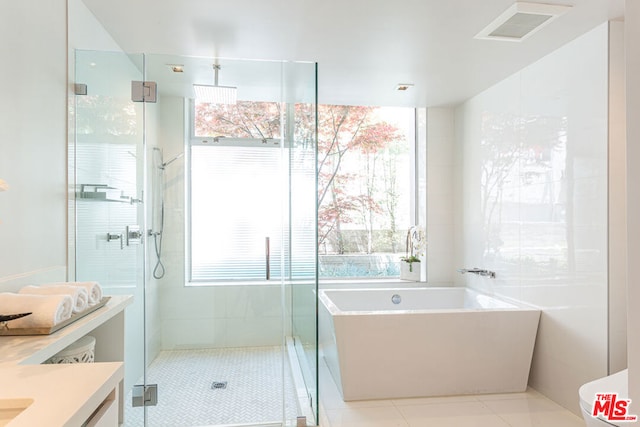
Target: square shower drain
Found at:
x=219, y=385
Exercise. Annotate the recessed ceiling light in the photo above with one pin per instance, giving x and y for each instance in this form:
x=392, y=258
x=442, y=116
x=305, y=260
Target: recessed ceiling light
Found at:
x=521, y=20
x=403, y=86
x=176, y=68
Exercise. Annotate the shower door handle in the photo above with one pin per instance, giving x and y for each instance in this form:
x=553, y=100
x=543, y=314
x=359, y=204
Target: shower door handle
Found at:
x=267, y=251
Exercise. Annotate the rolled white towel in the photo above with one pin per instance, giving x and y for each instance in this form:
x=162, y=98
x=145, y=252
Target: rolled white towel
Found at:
x=46, y=310
x=79, y=295
x=93, y=288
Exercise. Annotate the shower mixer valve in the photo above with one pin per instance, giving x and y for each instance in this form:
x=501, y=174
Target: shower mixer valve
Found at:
x=134, y=235
x=116, y=236
x=131, y=236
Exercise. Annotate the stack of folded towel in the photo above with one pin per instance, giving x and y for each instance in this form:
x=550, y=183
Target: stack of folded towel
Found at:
x=50, y=304
x=46, y=310
x=79, y=295
x=94, y=290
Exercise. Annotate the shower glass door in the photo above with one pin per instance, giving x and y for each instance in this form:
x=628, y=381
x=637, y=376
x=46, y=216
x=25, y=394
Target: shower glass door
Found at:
x=231, y=320
x=108, y=162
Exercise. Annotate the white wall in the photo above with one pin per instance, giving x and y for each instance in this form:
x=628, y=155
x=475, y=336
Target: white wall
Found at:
x=33, y=139
x=33, y=142
x=86, y=32
x=440, y=196
x=617, y=202
x=534, y=200
x=632, y=52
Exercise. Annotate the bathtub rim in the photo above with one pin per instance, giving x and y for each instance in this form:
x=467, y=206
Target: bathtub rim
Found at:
x=334, y=310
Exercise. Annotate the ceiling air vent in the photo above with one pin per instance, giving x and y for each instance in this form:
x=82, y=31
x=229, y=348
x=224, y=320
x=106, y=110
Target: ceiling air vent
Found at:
x=520, y=21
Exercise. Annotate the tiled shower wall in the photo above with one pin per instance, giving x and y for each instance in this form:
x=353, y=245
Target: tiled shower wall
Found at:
x=534, y=199
x=440, y=195
x=203, y=316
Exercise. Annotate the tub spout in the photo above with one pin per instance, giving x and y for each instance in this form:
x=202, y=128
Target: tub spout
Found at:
x=478, y=271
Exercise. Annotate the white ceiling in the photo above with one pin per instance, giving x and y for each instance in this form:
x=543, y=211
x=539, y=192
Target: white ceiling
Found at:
x=363, y=47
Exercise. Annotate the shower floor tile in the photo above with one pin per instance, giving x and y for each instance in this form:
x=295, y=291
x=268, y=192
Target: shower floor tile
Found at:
x=253, y=394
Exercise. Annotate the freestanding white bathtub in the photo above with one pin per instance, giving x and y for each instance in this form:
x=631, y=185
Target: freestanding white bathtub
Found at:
x=394, y=343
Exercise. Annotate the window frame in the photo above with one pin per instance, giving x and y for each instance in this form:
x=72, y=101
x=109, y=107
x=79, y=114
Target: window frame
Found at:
x=417, y=191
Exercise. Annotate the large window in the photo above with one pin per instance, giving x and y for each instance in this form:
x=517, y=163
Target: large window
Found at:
x=365, y=189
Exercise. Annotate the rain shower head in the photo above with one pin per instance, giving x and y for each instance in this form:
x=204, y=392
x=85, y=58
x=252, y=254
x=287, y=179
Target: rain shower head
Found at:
x=216, y=94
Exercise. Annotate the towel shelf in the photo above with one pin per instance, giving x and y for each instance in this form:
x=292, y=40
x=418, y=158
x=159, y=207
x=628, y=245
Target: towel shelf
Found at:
x=6, y=330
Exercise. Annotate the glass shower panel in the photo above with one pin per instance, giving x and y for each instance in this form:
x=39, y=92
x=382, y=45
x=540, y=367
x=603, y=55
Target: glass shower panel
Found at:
x=109, y=160
x=300, y=94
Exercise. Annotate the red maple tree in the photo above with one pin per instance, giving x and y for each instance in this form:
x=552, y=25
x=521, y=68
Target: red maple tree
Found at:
x=341, y=130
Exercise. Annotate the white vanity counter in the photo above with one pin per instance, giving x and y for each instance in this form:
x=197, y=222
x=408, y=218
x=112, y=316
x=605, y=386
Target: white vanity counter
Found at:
x=59, y=395
x=69, y=394
x=35, y=349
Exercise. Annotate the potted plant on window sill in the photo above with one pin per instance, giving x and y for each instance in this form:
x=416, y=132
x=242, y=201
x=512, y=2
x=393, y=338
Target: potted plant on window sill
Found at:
x=410, y=267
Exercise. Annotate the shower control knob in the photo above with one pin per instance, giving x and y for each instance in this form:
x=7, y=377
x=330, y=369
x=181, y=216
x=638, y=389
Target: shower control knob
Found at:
x=114, y=236
x=133, y=235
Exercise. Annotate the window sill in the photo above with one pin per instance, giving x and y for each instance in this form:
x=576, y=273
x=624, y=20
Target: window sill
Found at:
x=263, y=283
x=371, y=282
x=391, y=282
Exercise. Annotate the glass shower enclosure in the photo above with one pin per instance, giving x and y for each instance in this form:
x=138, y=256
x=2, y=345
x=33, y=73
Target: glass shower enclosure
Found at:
x=211, y=227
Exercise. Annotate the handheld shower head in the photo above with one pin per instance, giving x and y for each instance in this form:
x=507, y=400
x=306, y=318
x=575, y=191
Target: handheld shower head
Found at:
x=168, y=162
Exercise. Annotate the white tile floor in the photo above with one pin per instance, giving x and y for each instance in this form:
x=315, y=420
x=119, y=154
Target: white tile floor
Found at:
x=529, y=409
x=194, y=370
x=254, y=392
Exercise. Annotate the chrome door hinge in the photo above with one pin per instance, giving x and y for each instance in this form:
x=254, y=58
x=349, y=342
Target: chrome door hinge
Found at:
x=145, y=395
x=80, y=89
x=144, y=91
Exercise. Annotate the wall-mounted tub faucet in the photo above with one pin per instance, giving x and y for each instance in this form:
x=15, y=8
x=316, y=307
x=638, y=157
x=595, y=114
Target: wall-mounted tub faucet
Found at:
x=485, y=273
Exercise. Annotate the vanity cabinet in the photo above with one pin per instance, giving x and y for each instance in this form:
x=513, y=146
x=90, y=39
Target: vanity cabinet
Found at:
x=107, y=413
x=84, y=394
